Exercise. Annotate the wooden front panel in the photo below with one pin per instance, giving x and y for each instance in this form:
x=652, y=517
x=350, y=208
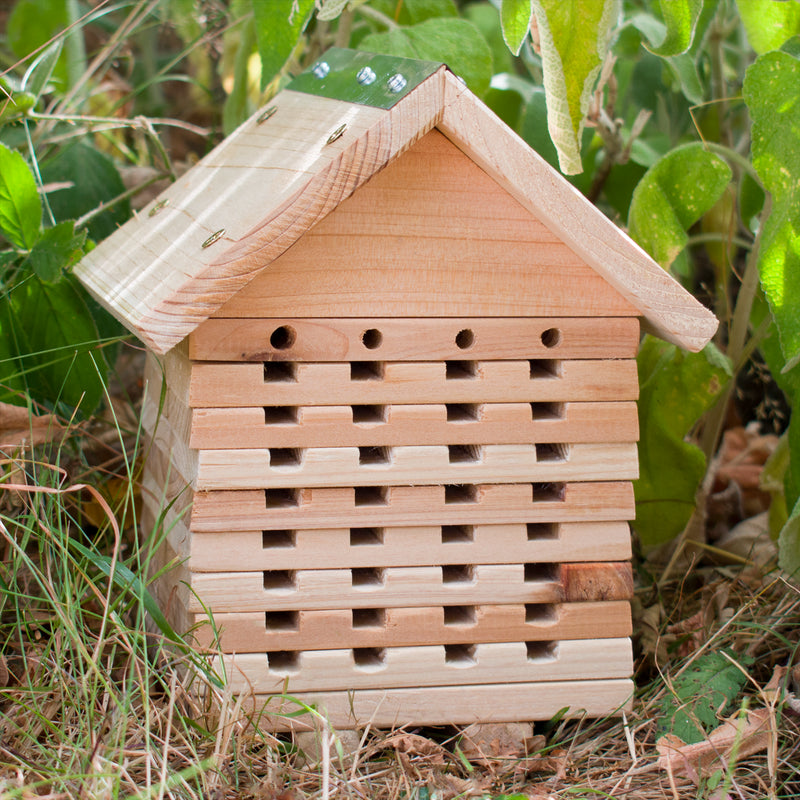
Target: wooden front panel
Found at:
x=403, y=382
x=422, y=339
x=249, y=632
x=429, y=235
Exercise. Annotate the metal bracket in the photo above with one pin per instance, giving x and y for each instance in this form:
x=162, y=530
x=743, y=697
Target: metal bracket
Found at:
x=369, y=79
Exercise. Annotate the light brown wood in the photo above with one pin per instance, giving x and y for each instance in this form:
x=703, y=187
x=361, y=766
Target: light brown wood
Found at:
x=431, y=665
x=668, y=309
x=392, y=425
x=245, y=632
x=236, y=385
x=420, y=339
x=430, y=235
x=155, y=275
x=412, y=505
x=406, y=546
x=390, y=587
x=414, y=465
x=455, y=705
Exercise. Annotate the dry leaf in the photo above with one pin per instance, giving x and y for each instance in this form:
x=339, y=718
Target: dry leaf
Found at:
x=488, y=742
x=18, y=427
x=748, y=734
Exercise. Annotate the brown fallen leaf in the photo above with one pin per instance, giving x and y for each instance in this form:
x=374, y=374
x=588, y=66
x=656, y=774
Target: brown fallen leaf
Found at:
x=18, y=426
x=490, y=741
x=746, y=734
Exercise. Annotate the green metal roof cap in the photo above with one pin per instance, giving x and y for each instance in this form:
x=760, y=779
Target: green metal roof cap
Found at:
x=369, y=79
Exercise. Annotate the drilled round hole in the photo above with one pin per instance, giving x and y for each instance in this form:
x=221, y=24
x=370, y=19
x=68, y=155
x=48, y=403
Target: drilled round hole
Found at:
x=551, y=337
x=282, y=338
x=465, y=339
x=371, y=338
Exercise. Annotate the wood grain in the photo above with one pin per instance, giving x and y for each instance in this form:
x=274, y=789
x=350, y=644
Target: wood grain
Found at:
x=455, y=705
x=392, y=425
x=397, y=382
x=390, y=587
x=245, y=632
x=414, y=339
x=430, y=665
x=668, y=310
x=405, y=546
x=412, y=505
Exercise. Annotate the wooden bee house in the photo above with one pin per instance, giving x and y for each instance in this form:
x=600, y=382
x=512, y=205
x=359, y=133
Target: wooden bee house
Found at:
x=399, y=382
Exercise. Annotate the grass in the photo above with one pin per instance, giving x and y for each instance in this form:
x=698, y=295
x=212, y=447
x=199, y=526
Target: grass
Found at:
x=95, y=704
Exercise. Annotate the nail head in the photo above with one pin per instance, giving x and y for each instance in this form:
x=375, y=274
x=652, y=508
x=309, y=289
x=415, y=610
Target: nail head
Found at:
x=337, y=134
x=216, y=236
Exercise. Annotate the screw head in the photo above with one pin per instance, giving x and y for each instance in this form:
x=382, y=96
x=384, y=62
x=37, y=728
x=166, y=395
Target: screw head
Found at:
x=396, y=83
x=366, y=76
x=321, y=69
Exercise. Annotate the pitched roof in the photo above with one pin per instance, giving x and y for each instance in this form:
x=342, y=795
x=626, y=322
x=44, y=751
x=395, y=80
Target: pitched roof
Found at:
x=175, y=263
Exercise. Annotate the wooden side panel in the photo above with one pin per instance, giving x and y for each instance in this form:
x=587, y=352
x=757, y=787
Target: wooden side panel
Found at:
x=392, y=425
x=455, y=705
x=414, y=465
x=434, y=236
x=462, y=584
x=421, y=339
x=405, y=546
x=310, y=384
x=411, y=505
x=245, y=632
x=431, y=665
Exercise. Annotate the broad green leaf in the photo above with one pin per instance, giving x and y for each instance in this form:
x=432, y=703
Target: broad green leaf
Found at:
x=701, y=694
x=679, y=21
x=58, y=249
x=684, y=68
x=238, y=106
x=574, y=41
x=772, y=94
x=789, y=544
x=56, y=336
x=676, y=389
x=20, y=204
x=331, y=9
x=412, y=12
x=672, y=196
x=279, y=24
x=456, y=42
x=94, y=180
x=12, y=384
x=33, y=23
x=769, y=23
x=13, y=101
x=516, y=17
x=486, y=18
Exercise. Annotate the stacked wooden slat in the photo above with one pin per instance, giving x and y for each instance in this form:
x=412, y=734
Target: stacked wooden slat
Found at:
x=399, y=519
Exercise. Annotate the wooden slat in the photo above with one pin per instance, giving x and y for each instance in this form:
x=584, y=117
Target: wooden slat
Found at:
x=430, y=235
x=289, y=590
x=391, y=425
x=412, y=505
x=449, y=705
x=420, y=339
x=414, y=465
x=235, y=385
x=405, y=546
x=431, y=665
x=246, y=632
x=669, y=310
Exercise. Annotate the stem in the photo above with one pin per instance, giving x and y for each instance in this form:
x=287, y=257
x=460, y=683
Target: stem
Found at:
x=737, y=158
x=90, y=215
x=375, y=15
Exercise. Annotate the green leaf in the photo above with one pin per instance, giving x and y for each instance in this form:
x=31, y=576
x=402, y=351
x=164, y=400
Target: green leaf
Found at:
x=279, y=24
x=57, y=250
x=486, y=18
x=94, y=180
x=54, y=335
x=331, y=9
x=676, y=389
x=673, y=194
x=701, y=694
x=772, y=94
x=684, y=68
x=769, y=23
x=679, y=21
x=412, y=12
x=20, y=204
x=789, y=544
x=33, y=23
x=456, y=42
x=516, y=17
x=41, y=70
x=574, y=42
